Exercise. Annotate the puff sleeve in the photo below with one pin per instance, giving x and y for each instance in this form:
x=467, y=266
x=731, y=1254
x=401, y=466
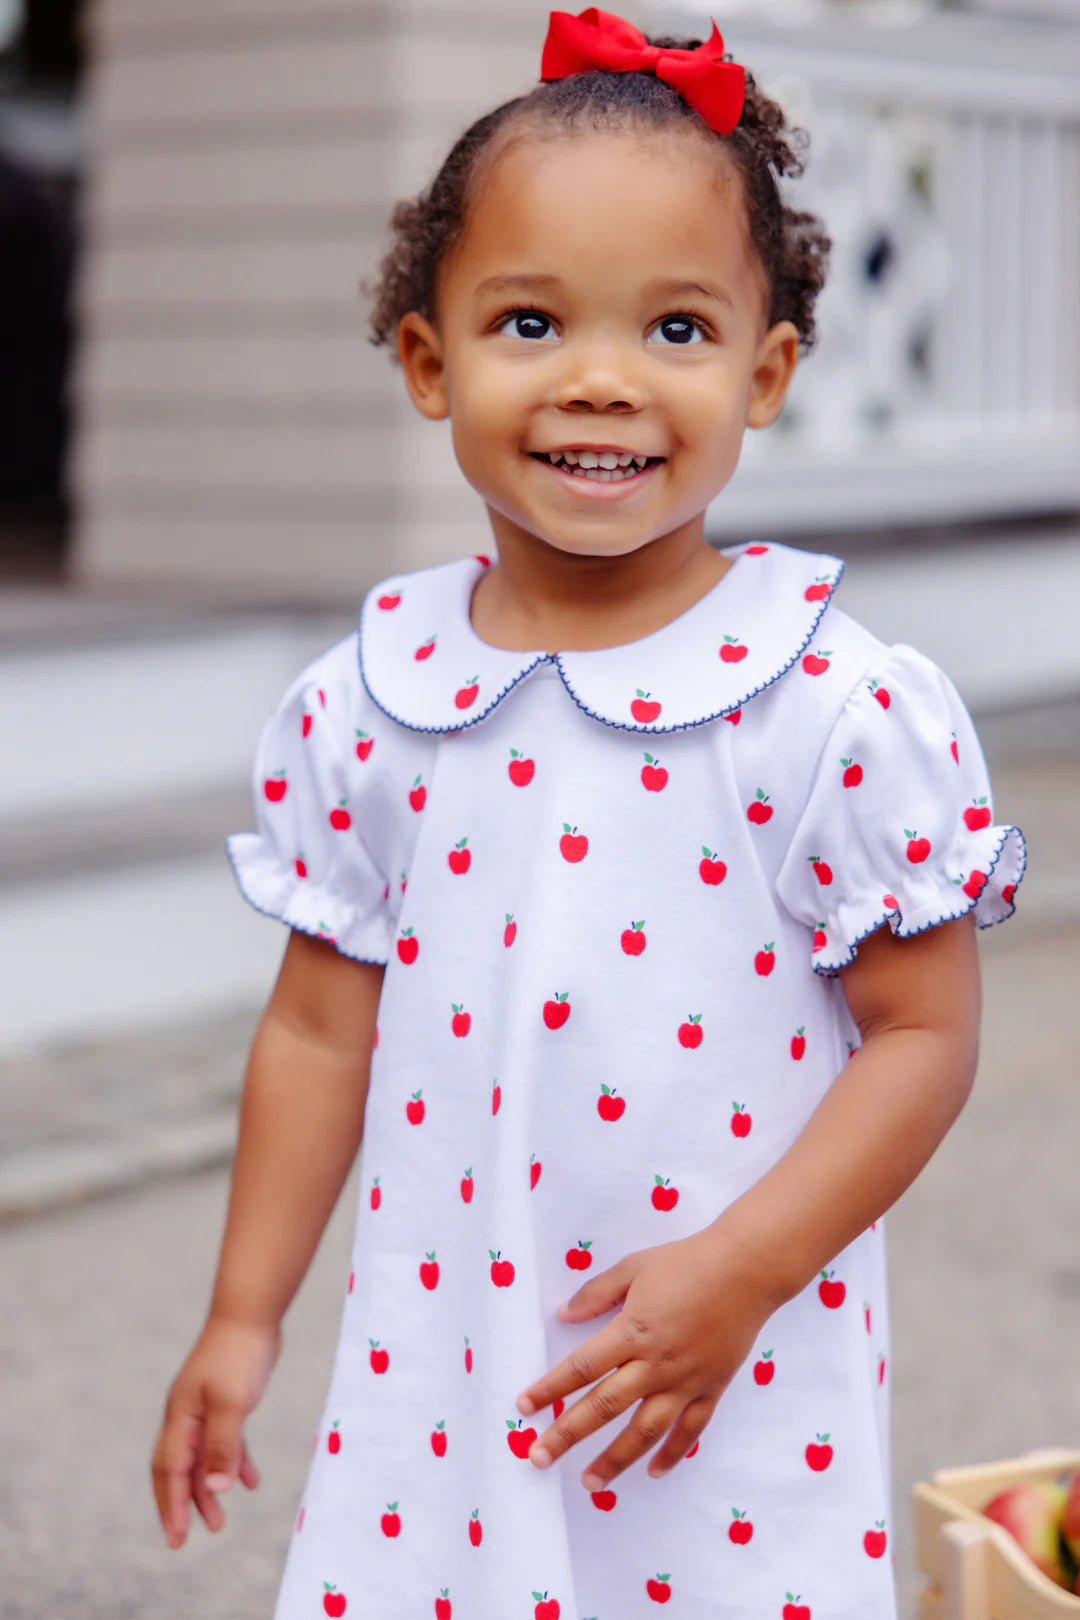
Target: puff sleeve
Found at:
x=308, y=864
x=898, y=825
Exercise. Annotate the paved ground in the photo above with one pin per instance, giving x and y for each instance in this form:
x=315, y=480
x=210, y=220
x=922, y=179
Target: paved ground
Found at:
x=984, y=1257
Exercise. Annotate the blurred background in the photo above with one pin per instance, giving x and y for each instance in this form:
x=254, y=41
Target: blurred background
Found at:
x=203, y=466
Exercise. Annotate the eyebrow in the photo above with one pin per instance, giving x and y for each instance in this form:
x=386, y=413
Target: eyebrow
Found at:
x=534, y=282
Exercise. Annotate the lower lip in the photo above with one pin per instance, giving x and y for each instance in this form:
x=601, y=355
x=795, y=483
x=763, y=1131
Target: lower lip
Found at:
x=594, y=489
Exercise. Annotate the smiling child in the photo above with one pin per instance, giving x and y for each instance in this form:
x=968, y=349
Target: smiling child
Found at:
x=632, y=889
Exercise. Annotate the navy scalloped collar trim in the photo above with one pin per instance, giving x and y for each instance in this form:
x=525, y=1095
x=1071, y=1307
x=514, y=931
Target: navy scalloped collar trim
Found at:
x=424, y=666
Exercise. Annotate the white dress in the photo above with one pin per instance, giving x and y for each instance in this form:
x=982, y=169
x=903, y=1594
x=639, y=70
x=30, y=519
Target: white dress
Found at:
x=612, y=889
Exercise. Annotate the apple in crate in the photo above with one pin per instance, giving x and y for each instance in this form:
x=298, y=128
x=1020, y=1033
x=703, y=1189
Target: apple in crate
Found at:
x=1032, y=1516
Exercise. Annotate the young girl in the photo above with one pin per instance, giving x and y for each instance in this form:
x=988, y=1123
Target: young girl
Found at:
x=661, y=875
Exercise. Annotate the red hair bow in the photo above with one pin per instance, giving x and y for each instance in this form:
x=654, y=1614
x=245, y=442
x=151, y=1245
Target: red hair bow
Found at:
x=598, y=39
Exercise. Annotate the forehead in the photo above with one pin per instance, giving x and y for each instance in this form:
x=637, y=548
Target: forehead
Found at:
x=621, y=206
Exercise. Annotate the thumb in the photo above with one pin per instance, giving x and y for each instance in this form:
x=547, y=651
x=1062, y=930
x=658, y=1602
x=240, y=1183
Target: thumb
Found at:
x=224, y=1447
x=601, y=1293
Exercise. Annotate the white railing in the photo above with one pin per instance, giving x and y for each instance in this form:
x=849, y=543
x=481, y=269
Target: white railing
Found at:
x=945, y=161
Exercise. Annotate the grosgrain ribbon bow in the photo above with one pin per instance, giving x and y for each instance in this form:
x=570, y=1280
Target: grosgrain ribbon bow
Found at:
x=598, y=39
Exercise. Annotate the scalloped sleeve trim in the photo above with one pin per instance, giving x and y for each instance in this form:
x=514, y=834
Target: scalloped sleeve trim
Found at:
x=363, y=934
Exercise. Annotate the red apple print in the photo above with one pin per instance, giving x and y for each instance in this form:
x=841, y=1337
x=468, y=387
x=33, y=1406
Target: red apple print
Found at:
x=300, y=1520
x=476, y=1529
x=819, y=1456
x=429, y=1271
x=305, y=722
x=301, y=867
x=467, y=1186
x=333, y=1440
x=417, y=795
x=468, y=1355
x=520, y=769
x=740, y=1529
x=467, y=694
x=653, y=775
x=323, y=932
x=798, y=1042
x=874, y=1540
x=735, y=716
x=364, y=745
x=404, y=881
x=974, y=884
x=340, y=819
x=388, y=602
x=822, y=872
x=759, y=811
x=322, y=697
x=442, y=1604
x=756, y=551
x=460, y=858
x=918, y=848
x=379, y=1359
x=557, y=1408
x=334, y=1601
x=510, y=931
x=866, y=1314
x=414, y=1109
x=658, y=1590
x=376, y=1194
x=480, y=558
x=820, y=939
x=764, y=1369
x=579, y=1259
x=891, y=901
x=425, y=649
x=519, y=1440
x=408, y=947
x=711, y=868
x=881, y=1369
x=391, y=1520
x=608, y=1106
x=732, y=650
x=664, y=1197
x=546, y=1608
x=816, y=663
x=275, y=787
x=632, y=939
x=461, y=1021
x=502, y=1272
x=693, y=1449
x=1007, y=892
x=880, y=692
x=831, y=1293
x=604, y=1500
x=691, y=1034
x=740, y=1120
x=643, y=710
x=438, y=1438
x=496, y=1097
x=558, y=1011
x=535, y=1167
x=954, y=750
x=852, y=773
x=977, y=814
x=793, y=1609
x=765, y=960
x=574, y=845
x=819, y=590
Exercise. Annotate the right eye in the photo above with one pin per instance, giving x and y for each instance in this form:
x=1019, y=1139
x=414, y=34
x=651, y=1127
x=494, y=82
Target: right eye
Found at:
x=529, y=322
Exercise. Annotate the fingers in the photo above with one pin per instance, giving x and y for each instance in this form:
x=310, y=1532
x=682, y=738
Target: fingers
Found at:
x=607, y=1349
x=187, y=1467
x=224, y=1446
x=689, y=1427
x=174, y=1458
x=649, y=1424
x=607, y=1401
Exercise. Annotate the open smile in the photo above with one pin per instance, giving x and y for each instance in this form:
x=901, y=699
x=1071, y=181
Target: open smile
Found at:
x=607, y=473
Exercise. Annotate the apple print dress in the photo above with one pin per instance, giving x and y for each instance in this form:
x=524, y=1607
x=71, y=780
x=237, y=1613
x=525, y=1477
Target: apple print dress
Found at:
x=613, y=890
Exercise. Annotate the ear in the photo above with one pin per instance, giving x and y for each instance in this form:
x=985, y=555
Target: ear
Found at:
x=777, y=356
x=420, y=352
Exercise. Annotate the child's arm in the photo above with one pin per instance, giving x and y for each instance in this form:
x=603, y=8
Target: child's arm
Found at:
x=301, y=1122
x=917, y=1002
x=692, y=1309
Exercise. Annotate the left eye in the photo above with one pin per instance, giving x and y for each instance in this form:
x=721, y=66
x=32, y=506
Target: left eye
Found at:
x=529, y=324
x=680, y=329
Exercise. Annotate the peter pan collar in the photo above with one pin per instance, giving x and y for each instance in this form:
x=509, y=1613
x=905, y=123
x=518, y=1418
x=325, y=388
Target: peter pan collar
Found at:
x=423, y=664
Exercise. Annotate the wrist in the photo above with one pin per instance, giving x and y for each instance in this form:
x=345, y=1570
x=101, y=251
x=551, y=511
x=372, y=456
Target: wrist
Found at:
x=743, y=1248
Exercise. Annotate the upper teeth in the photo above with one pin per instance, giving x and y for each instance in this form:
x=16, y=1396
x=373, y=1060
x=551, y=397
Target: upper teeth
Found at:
x=608, y=459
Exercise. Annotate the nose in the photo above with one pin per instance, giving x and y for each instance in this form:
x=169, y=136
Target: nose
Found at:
x=595, y=382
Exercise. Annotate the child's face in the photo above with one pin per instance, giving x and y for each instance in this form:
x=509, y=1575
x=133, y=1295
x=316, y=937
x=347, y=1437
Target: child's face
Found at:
x=599, y=352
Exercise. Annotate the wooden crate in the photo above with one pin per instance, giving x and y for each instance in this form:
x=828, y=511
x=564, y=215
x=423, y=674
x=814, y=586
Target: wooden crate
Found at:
x=975, y=1570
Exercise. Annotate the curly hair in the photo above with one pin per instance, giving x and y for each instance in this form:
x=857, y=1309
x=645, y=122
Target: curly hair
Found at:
x=792, y=247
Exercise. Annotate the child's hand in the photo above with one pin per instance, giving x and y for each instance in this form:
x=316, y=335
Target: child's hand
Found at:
x=691, y=1312
x=200, y=1447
